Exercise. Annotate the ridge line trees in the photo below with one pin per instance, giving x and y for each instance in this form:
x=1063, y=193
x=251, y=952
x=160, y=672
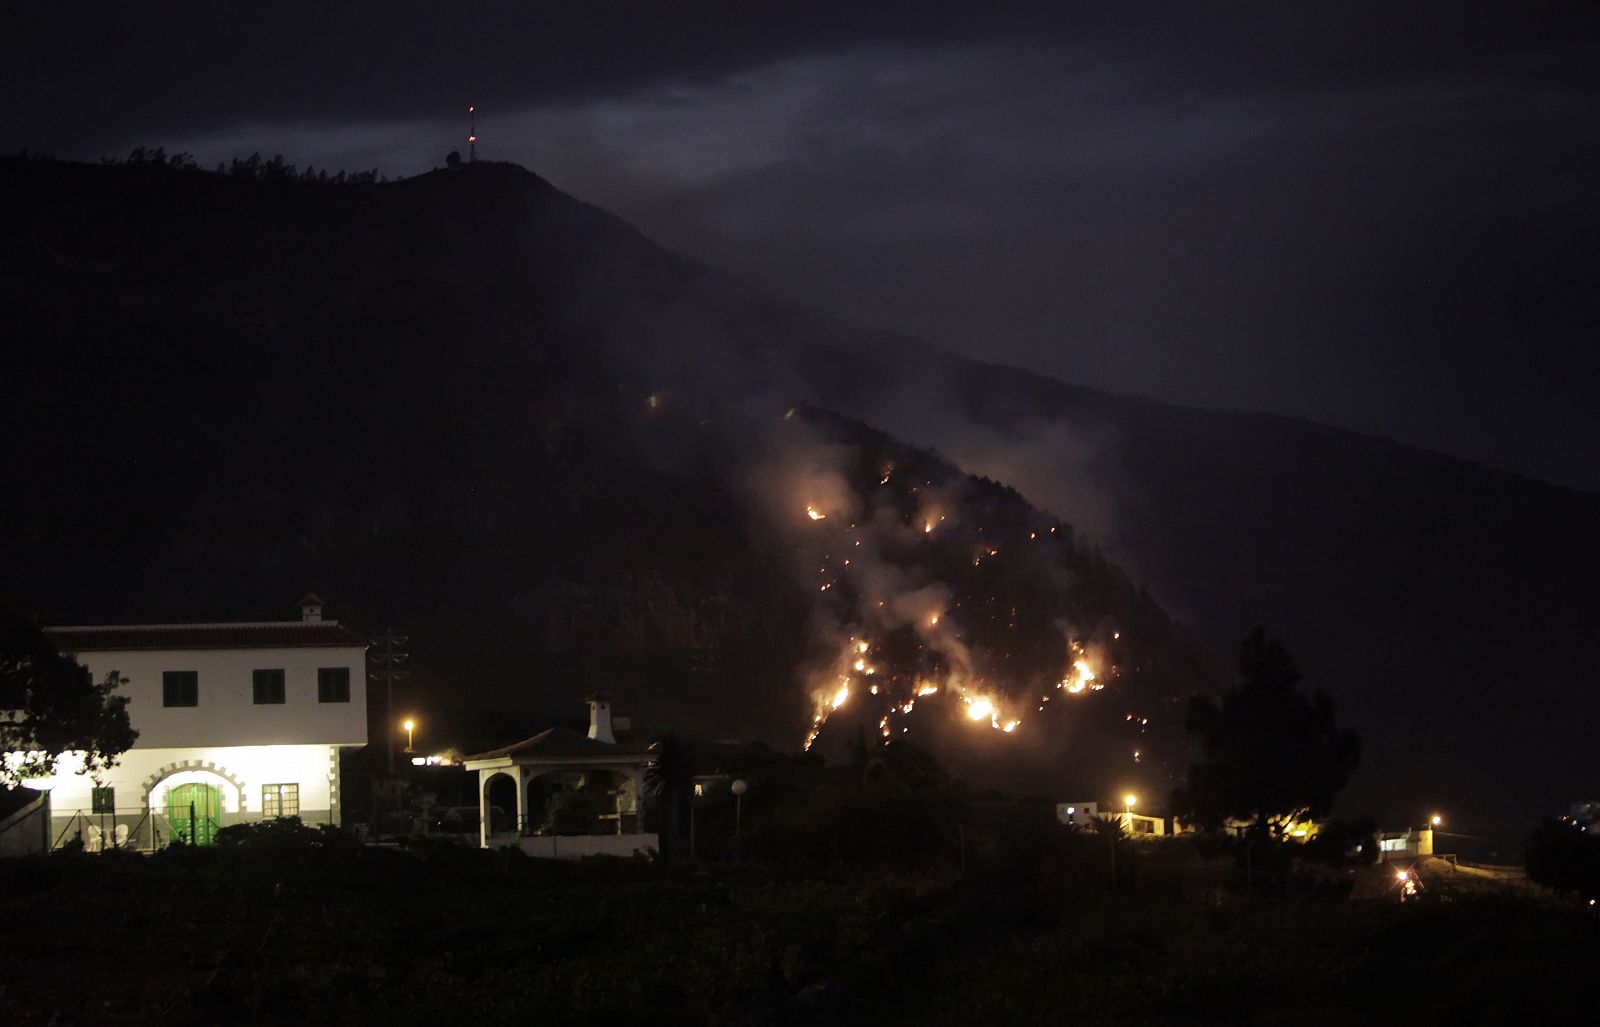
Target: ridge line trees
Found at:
x=1269, y=754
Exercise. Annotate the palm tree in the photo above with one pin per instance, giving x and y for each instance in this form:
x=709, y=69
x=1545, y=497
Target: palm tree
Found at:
x=1113, y=829
x=669, y=783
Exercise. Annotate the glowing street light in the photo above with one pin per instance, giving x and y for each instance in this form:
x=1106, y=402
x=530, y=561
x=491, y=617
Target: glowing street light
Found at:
x=410, y=727
x=1436, y=820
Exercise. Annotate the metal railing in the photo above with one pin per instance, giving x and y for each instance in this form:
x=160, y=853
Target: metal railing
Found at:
x=140, y=829
x=134, y=829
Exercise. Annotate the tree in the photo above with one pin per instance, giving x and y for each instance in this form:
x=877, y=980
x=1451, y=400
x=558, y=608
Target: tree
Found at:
x=1115, y=831
x=1268, y=753
x=669, y=783
x=903, y=764
x=51, y=705
x=1564, y=855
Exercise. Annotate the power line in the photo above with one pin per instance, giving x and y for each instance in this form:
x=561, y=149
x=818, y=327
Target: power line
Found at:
x=387, y=659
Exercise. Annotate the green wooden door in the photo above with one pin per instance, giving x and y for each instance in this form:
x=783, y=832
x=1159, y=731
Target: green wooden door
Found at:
x=192, y=812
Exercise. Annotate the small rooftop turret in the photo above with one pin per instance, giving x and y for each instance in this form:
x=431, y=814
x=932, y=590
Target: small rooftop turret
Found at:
x=600, y=718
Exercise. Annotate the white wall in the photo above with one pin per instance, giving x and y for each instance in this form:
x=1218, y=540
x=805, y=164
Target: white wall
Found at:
x=239, y=772
x=578, y=846
x=1079, y=814
x=226, y=713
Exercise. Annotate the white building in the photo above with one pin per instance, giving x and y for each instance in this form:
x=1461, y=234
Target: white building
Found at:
x=1077, y=814
x=237, y=722
x=1407, y=844
x=555, y=760
x=1082, y=815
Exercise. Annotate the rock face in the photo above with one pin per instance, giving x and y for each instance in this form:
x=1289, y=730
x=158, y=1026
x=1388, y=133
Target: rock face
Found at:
x=473, y=407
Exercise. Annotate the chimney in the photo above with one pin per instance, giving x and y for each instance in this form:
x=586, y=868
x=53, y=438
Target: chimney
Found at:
x=311, y=609
x=600, y=718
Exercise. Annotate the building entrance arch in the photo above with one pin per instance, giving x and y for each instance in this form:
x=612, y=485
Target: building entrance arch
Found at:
x=193, y=812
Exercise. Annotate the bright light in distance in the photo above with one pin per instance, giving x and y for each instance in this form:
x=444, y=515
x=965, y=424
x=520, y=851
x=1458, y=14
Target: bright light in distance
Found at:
x=409, y=725
x=815, y=514
x=1130, y=800
x=1402, y=875
x=1437, y=820
x=978, y=709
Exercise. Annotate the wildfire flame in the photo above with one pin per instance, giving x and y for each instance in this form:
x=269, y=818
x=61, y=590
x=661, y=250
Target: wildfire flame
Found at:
x=815, y=514
x=1082, y=676
x=978, y=701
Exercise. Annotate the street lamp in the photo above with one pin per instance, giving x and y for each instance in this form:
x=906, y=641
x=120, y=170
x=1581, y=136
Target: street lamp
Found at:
x=1128, y=802
x=739, y=787
x=410, y=726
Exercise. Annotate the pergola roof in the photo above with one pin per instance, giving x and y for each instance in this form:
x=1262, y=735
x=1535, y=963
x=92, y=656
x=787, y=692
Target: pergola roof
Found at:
x=559, y=743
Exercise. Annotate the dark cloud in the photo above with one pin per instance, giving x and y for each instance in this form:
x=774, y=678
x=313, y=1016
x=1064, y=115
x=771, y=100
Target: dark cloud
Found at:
x=1377, y=217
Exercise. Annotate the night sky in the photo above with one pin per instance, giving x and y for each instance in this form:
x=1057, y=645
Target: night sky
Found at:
x=1382, y=220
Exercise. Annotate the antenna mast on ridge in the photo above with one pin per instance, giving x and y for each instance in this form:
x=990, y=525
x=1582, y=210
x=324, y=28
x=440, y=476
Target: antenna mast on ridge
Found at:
x=472, y=134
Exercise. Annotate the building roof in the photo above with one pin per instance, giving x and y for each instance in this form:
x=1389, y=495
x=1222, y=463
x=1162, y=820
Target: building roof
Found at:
x=558, y=743
x=248, y=635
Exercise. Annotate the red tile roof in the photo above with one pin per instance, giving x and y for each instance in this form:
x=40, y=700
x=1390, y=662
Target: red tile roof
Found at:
x=560, y=743
x=261, y=635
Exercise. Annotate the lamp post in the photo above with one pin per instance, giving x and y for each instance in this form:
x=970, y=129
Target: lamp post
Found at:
x=410, y=727
x=739, y=787
x=1128, y=802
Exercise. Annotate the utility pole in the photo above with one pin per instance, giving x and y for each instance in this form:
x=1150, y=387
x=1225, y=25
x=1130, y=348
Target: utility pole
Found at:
x=472, y=134
x=387, y=660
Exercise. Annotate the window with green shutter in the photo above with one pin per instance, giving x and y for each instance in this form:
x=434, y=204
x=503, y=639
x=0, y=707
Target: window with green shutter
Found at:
x=103, y=800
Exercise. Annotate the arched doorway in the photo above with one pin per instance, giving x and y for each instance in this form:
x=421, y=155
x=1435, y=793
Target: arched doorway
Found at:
x=500, y=795
x=190, y=805
x=193, y=812
x=574, y=802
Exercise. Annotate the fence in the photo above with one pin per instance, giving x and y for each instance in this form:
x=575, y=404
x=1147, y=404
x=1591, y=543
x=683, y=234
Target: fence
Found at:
x=139, y=829
x=26, y=831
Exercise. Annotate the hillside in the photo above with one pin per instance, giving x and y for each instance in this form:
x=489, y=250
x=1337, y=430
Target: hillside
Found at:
x=277, y=386
x=503, y=420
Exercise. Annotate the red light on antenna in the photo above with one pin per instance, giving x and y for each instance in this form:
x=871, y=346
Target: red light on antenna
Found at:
x=471, y=110
x=472, y=139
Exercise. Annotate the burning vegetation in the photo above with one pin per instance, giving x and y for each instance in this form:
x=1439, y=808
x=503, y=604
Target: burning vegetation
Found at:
x=944, y=604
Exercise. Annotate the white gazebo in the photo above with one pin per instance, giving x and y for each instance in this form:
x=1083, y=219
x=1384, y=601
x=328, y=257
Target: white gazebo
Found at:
x=609, y=774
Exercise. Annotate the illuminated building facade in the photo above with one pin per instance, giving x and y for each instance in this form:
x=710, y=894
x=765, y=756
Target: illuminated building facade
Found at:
x=237, y=722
